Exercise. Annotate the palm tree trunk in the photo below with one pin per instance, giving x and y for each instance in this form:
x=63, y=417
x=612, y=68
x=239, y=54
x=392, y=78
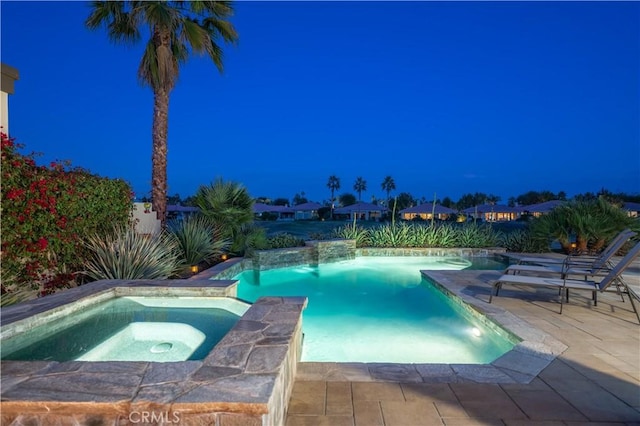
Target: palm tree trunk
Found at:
x=159, y=154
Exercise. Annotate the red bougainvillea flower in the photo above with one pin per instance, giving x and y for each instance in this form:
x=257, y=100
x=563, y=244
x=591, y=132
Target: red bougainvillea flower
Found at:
x=14, y=194
x=42, y=243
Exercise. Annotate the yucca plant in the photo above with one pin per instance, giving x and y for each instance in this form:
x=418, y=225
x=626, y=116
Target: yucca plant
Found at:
x=393, y=235
x=124, y=254
x=354, y=232
x=444, y=235
x=519, y=241
x=198, y=239
x=421, y=234
x=473, y=235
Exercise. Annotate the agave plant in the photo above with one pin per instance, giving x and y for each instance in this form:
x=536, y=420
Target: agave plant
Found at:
x=124, y=254
x=198, y=239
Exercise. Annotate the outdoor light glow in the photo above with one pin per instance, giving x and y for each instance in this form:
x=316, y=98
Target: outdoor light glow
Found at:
x=476, y=332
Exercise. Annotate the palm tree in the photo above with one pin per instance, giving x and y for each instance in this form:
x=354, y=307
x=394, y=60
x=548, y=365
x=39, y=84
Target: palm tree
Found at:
x=333, y=184
x=359, y=186
x=176, y=29
x=227, y=205
x=388, y=185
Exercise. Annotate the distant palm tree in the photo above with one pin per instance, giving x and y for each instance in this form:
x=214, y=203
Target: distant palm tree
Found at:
x=333, y=184
x=177, y=28
x=359, y=186
x=492, y=199
x=388, y=185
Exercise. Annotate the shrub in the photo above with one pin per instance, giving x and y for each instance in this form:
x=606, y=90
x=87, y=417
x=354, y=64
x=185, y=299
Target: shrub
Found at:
x=125, y=254
x=520, y=241
x=442, y=235
x=46, y=211
x=248, y=239
x=473, y=235
x=391, y=235
x=590, y=224
x=198, y=239
x=353, y=232
x=319, y=236
x=284, y=241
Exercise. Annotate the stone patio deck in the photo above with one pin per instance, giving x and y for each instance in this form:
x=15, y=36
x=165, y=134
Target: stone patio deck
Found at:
x=596, y=380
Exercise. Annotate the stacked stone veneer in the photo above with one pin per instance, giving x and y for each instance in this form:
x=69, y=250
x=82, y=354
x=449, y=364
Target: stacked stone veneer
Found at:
x=246, y=379
x=431, y=251
x=326, y=251
x=313, y=253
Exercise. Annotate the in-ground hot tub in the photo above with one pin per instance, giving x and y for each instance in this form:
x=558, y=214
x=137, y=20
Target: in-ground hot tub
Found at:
x=129, y=328
x=246, y=378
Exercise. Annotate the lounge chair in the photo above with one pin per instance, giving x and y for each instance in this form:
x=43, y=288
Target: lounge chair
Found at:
x=612, y=277
x=591, y=267
x=606, y=254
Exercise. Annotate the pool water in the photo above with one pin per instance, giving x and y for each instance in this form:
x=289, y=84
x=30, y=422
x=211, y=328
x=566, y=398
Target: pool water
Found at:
x=380, y=309
x=130, y=329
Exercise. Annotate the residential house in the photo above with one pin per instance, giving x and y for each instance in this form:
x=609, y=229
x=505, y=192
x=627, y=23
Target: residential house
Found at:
x=537, y=210
x=282, y=212
x=426, y=211
x=176, y=211
x=362, y=211
x=632, y=209
x=493, y=212
x=306, y=211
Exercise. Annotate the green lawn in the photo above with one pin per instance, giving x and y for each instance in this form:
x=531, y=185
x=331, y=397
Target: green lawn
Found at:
x=307, y=228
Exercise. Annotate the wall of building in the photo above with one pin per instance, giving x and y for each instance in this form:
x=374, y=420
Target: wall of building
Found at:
x=8, y=77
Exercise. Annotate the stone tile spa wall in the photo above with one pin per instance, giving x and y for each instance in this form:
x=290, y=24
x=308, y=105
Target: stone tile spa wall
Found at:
x=246, y=379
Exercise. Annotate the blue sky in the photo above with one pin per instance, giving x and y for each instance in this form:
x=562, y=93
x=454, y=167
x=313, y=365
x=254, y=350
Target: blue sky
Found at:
x=446, y=97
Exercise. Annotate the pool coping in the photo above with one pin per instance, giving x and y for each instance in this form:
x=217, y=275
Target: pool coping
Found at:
x=247, y=378
x=533, y=352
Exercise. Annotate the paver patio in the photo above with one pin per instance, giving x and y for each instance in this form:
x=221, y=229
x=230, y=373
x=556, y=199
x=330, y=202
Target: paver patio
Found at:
x=595, y=381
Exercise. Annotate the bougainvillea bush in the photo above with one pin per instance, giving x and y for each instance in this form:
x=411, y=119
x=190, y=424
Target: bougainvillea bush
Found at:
x=46, y=213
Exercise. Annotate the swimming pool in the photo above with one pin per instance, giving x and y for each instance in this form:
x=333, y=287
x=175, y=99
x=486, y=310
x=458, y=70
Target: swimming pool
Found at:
x=159, y=329
x=380, y=309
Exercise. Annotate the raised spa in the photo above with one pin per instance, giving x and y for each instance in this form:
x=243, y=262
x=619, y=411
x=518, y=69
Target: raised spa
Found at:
x=159, y=329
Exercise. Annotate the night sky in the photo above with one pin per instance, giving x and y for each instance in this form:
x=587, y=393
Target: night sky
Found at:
x=445, y=97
